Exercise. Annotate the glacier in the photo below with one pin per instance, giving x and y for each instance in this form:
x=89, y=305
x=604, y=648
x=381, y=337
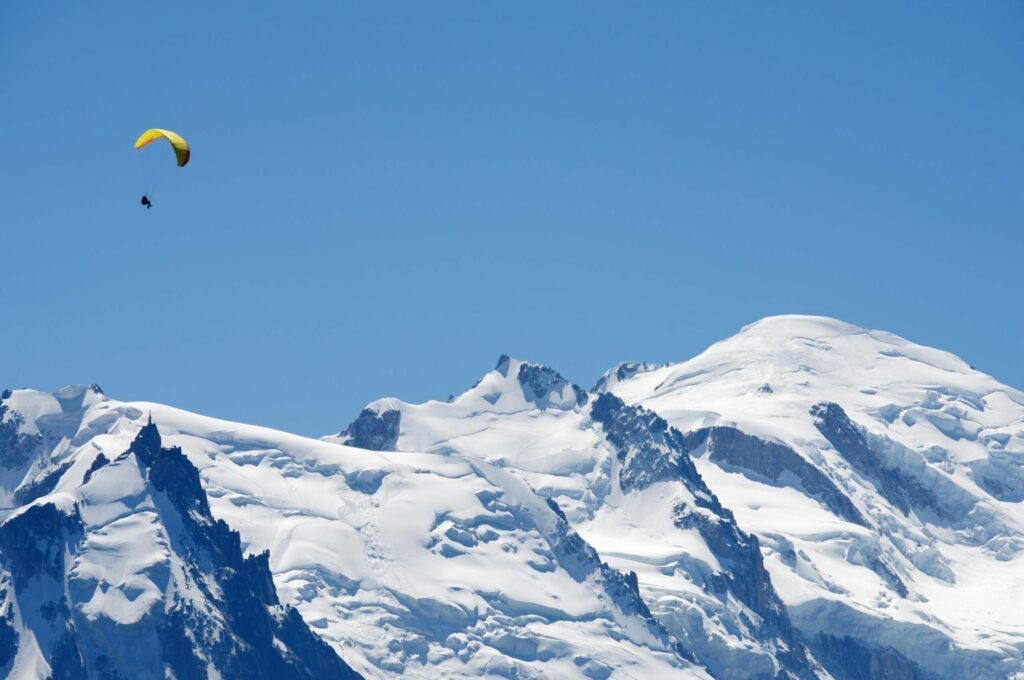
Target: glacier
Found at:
x=805, y=499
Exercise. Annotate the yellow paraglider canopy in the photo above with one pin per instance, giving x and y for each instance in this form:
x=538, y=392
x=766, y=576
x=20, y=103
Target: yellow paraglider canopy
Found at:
x=181, y=150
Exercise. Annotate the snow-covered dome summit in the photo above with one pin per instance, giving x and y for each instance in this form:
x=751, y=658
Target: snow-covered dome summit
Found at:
x=778, y=367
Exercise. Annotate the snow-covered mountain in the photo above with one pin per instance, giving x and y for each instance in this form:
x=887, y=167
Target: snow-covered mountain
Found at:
x=625, y=481
x=425, y=566
x=883, y=478
x=805, y=499
x=112, y=565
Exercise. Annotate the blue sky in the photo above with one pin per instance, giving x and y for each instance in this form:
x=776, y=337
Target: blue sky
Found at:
x=382, y=200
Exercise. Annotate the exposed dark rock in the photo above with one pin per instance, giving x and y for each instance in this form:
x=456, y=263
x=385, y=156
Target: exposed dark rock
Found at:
x=97, y=463
x=8, y=643
x=650, y=451
x=849, y=659
x=66, y=661
x=774, y=464
x=374, y=431
x=16, y=448
x=902, y=490
x=33, y=545
x=540, y=382
x=557, y=509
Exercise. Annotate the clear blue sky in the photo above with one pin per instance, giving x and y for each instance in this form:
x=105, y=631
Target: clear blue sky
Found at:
x=383, y=200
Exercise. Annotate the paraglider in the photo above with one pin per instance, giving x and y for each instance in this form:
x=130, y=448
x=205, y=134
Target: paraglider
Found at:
x=177, y=142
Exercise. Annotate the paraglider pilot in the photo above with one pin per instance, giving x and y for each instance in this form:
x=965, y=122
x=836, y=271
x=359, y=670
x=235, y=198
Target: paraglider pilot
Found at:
x=178, y=143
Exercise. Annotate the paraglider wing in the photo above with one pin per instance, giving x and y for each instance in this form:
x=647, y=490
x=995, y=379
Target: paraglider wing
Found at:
x=181, y=150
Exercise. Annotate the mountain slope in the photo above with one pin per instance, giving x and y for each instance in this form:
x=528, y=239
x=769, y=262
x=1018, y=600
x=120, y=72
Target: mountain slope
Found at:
x=113, y=566
x=626, y=484
x=883, y=478
x=433, y=566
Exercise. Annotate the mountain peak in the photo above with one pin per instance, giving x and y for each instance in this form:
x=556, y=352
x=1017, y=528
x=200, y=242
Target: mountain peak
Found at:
x=519, y=384
x=147, y=442
x=802, y=323
x=512, y=386
x=784, y=327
